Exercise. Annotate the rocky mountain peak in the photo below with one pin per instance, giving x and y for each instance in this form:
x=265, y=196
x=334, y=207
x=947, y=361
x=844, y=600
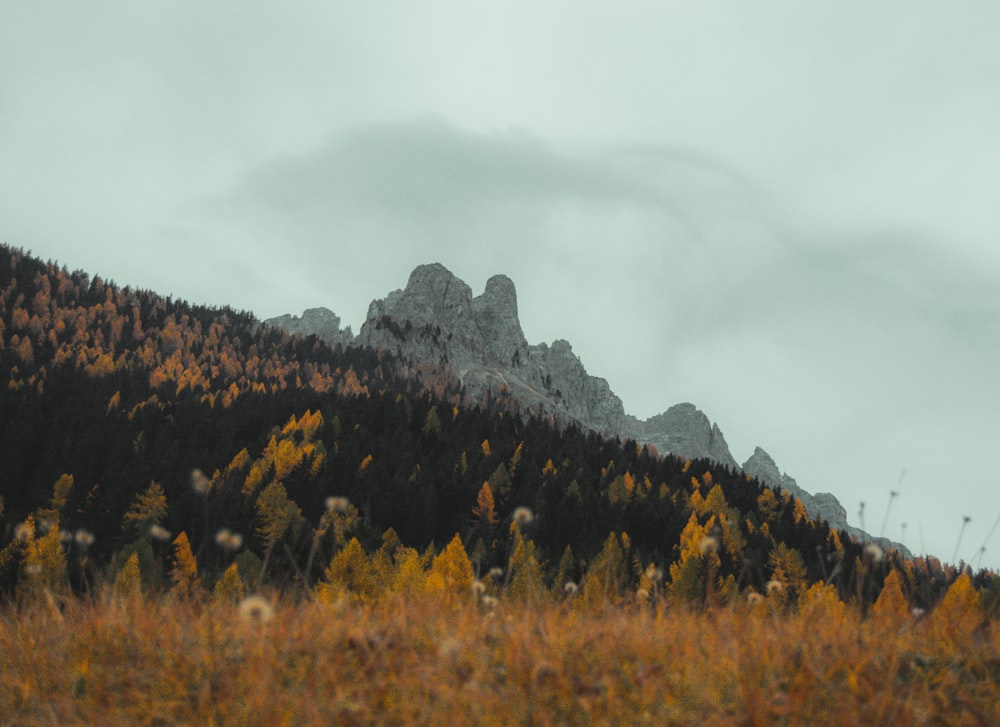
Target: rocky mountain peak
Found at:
x=683, y=430
x=436, y=320
x=496, y=316
x=320, y=322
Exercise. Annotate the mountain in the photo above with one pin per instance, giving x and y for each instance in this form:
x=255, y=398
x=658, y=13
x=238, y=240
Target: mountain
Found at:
x=122, y=409
x=437, y=320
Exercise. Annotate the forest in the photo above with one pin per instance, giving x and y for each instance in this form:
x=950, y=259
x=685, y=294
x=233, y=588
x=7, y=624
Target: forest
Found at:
x=151, y=448
x=114, y=397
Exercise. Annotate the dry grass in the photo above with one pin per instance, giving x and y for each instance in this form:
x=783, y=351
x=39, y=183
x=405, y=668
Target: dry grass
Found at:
x=399, y=662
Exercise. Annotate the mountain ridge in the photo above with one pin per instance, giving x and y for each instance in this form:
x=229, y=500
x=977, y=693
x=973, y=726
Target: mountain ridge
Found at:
x=437, y=320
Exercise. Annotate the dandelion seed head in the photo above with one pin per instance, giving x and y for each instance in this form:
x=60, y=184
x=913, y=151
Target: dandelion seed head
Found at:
x=256, y=609
x=83, y=538
x=523, y=515
x=478, y=588
x=570, y=588
x=642, y=595
x=200, y=482
x=917, y=612
x=65, y=536
x=753, y=598
x=158, y=532
x=22, y=532
x=32, y=569
x=228, y=540
x=654, y=574
x=44, y=526
x=496, y=572
x=875, y=552
x=490, y=602
x=774, y=587
x=336, y=503
x=708, y=545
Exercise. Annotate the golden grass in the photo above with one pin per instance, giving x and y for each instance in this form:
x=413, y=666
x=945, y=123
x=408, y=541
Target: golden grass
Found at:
x=401, y=662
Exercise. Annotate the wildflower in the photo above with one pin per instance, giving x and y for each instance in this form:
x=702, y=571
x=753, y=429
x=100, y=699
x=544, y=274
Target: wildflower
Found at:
x=255, y=609
x=873, y=551
x=709, y=544
x=917, y=613
x=753, y=598
x=199, y=482
x=496, y=572
x=478, y=588
x=490, y=602
x=523, y=515
x=83, y=538
x=158, y=532
x=570, y=588
x=228, y=540
x=774, y=587
x=337, y=504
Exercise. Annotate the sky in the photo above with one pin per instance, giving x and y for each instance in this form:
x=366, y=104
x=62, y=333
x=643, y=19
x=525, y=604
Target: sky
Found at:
x=782, y=212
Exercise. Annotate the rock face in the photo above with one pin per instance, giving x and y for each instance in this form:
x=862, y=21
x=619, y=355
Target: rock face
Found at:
x=320, y=322
x=682, y=430
x=822, y=504
x=436, y=320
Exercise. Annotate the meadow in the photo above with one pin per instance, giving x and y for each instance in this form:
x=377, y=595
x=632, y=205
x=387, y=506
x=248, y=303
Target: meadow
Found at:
x=444, y=657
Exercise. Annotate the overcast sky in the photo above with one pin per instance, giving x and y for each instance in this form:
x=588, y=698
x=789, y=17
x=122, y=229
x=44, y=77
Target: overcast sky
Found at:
x=783, y=212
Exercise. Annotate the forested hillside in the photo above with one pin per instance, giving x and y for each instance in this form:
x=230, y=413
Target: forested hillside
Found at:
x=130, y=420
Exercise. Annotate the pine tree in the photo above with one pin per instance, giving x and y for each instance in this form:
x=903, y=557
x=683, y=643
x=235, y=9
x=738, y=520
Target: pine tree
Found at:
x=891, y=606
x=149, y=506
x=185, y=571
x=229, y=588
x=60, y=494
x=129, y=581
x=349, y=571
x=607, y=574
x=451, y=571
x=485, y=510
x=527, y=584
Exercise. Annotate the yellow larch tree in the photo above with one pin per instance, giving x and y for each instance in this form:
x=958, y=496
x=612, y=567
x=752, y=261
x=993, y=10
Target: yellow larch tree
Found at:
x=485, y=508
x=149, y=506
x=185, y=570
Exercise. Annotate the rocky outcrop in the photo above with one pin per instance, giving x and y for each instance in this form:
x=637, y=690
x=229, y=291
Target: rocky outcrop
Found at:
x=436, y=320
x=821, y=505
x=682, y=430
x=320, y=322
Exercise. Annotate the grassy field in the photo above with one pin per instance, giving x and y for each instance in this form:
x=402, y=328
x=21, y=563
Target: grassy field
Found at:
x=136, y=660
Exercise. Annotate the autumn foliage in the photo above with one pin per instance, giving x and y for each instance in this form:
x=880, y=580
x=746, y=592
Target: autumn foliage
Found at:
x=191, y=503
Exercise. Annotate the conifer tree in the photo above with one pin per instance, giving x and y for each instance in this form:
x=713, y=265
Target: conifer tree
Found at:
x=185, y=571
x=129, y=580
x=527, y=583
x=229, y=588
x=607, y=573
x=451, y=571
x=150, y=506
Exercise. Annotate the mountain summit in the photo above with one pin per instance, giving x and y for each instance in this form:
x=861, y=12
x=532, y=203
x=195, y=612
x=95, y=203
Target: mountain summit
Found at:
x=436, y=320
